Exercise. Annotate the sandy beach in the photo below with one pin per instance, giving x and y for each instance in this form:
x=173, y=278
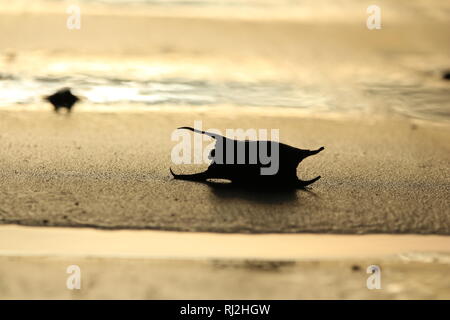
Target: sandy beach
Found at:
x=93, y=188
x=218, y=279
x=105, y=170
x=111, y=170
x=130, y=264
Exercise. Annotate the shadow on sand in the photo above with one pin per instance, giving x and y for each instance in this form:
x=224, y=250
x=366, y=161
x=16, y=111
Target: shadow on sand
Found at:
x=254, y=193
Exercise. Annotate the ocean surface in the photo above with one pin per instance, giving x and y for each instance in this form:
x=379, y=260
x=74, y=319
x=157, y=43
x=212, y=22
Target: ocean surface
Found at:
x=412, y=100
x=406, y=81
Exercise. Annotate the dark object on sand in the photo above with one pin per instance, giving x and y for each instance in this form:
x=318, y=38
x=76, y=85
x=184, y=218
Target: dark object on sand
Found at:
x=62, y=98
x=250, y=171
x=355, y=268
x=446, y=75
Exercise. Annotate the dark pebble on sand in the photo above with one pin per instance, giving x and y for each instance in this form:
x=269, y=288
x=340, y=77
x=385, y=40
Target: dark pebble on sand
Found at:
x=446, y=75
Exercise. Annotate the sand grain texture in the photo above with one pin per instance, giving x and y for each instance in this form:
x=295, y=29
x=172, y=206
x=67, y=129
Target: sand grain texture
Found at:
x=111, y=170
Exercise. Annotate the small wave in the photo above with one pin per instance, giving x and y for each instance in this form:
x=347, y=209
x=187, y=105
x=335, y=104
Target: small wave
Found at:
x=413, y=100
x=96, y=90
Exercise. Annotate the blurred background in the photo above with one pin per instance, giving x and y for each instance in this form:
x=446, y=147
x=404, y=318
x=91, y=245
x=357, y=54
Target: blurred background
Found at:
x=315, y=56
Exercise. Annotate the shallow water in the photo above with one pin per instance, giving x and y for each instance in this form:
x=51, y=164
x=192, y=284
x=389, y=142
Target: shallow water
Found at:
x=324, y=61
x=411, y=100
x=170, y=91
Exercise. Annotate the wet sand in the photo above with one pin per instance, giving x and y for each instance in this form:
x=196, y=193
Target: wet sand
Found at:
x=111, y=170
x=108, y=278
x=174, y=265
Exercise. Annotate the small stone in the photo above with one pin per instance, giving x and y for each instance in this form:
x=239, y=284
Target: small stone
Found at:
x=63, y=98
